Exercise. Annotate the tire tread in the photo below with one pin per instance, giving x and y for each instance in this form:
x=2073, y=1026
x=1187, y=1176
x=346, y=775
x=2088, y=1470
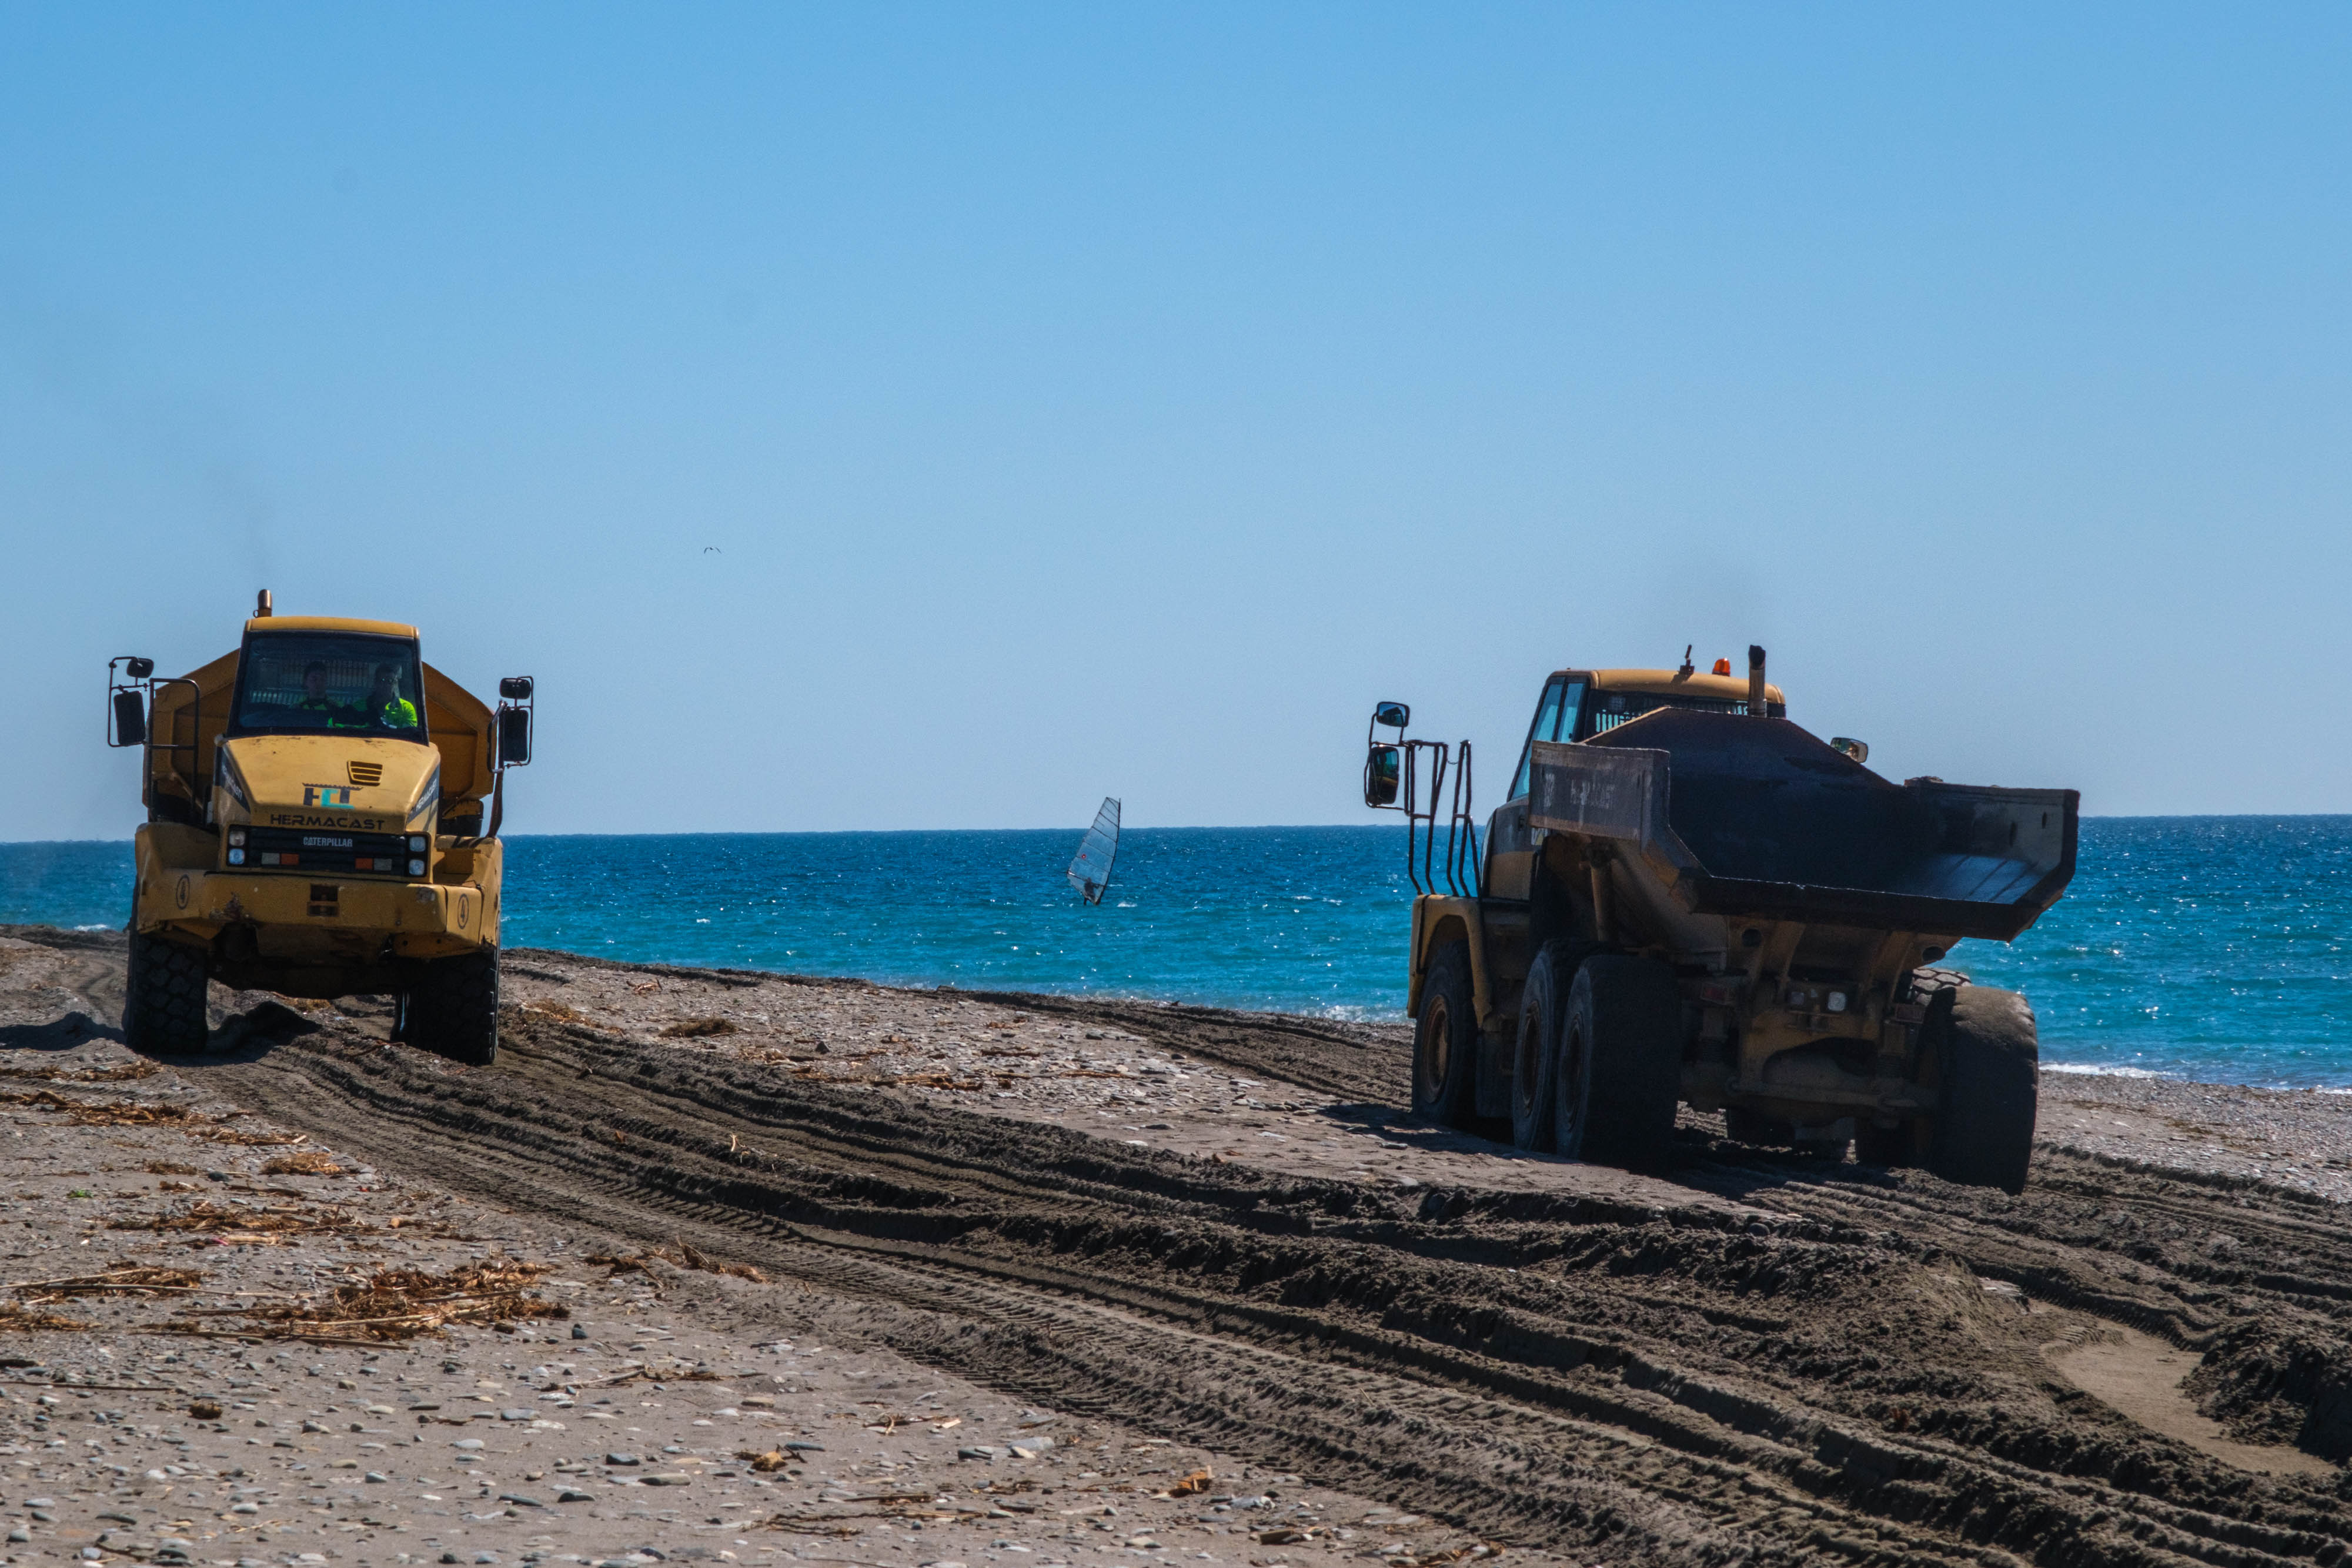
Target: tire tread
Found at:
x=164, y=999
x=1636, y=1054
x=1450, y=1103
x=453, y=1008
x=1989, y=1081
x=1535, y=1053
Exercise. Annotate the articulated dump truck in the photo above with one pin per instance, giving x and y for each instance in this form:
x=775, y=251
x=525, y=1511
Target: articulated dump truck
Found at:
x=315, y=827
x=1688, y=900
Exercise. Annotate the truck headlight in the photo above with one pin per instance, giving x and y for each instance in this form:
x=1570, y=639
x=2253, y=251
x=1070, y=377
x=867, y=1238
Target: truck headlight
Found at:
x=236, y=838
x=236, y=857
x=1837, y=1001
x=417, y=868
x=416, y=843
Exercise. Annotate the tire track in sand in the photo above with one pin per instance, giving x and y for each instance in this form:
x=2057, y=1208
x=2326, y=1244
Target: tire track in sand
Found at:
x=1686, y=1388
x=1678, y=1389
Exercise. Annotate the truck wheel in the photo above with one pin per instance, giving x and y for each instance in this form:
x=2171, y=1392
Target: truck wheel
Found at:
x=164, y=999
x=1536, y=1059
x=453, y=1007
x=1988, y=1072
x=1446, y=1039
x=1621, y=1062
x=1910, y=1145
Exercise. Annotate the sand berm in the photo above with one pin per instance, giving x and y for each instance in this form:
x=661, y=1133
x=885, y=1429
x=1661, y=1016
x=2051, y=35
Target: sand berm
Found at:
x=860, y=1275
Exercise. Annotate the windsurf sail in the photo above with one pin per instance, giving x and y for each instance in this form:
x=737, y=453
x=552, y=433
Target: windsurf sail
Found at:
x=1090, y=870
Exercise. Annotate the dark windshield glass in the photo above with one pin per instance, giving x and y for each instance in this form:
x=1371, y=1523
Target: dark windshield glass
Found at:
x=1610, y=709
x=1560, y=697
x=296, y=682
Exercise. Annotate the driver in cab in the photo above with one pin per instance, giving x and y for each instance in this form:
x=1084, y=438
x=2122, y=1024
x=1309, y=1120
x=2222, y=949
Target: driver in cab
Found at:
x=385, y=705
x=315, y=698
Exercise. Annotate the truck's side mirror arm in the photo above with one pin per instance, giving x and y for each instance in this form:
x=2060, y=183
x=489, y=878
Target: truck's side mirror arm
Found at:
x=514, y=720
x=1391, y=783
x=1384, y=761
x=513, y=742
x=127, y=694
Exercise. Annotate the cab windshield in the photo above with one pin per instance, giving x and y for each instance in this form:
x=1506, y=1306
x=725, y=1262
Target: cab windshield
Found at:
x=296, y=683
x=1610, y=709
x=1556, y=716
x=1564, y=713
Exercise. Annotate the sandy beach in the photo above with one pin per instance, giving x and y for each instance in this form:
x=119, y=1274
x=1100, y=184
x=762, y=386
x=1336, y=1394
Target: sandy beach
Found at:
x=1047, y=1280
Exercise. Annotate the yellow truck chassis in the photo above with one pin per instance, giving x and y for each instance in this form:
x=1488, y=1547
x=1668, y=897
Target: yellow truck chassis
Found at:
x=303, y=937
x=310, y=844
x=1689, y=900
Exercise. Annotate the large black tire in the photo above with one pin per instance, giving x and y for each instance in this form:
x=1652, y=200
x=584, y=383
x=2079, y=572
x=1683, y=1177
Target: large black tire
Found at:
x=1535, y=1055
x=453, y=1007
x=1911, y=1143
x=1446, y=1039
x=1988, y=1069
x=1621, y=1064
x=163, y=998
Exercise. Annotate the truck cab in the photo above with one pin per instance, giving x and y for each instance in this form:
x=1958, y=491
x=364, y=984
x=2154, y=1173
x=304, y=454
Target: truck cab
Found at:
x=325, y=764
x=1577, y=704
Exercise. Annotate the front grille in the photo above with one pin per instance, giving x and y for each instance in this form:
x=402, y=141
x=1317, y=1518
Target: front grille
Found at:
x=366, y=775
x=323, y=848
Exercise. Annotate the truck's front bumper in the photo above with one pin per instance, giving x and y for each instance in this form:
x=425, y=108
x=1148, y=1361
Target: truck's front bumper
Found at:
x=299, y=916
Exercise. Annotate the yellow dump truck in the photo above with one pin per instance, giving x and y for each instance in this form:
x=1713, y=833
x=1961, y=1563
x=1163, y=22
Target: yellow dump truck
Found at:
x=1686, y=899
x=315, y=827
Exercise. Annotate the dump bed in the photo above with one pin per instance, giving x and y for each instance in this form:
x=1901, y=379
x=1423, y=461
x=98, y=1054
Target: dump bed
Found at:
x=1756, y=819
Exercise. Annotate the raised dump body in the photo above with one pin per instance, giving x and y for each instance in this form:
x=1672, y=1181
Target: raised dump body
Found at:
x=1758, y=819
x=1688, y=899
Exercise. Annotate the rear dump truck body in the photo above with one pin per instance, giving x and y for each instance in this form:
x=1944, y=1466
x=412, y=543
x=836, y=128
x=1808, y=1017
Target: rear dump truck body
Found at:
x=1768, y=902
x=316, y=805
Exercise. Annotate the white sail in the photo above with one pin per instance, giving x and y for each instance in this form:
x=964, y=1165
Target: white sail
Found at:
x=1090, y=870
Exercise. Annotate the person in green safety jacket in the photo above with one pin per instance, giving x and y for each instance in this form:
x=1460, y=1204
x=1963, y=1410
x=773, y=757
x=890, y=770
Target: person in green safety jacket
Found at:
x=384, y=703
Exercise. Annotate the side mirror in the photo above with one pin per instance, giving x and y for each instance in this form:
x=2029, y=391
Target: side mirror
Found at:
x=1383, y=765
x=138, y=669
x=129, y=716
x=1857, y=749
x=515, y=688
x=514, y=735
x=1395, y=715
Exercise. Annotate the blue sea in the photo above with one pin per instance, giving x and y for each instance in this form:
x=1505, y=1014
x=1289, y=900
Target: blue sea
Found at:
x=2214, y=948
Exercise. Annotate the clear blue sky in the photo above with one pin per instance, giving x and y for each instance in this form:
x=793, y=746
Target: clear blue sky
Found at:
x=1120, y=400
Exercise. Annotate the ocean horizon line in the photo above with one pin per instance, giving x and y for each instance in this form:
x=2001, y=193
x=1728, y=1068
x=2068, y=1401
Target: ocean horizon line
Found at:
x=1213, y=828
